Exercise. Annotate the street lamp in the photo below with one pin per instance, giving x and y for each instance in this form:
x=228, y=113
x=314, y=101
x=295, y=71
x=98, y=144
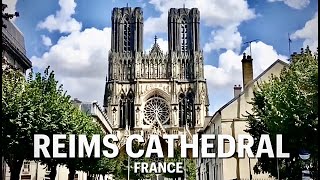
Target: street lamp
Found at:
x=305, y=155
x=250, y=169
x=278, y=171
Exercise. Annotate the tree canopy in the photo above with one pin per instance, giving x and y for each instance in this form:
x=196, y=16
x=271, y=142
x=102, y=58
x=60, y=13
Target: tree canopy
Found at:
x=288, y=105
x=39, y=105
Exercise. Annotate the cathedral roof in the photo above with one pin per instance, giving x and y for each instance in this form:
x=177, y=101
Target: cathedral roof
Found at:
x=156, y=50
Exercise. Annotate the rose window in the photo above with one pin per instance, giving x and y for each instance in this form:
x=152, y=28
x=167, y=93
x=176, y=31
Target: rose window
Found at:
x=156, y=110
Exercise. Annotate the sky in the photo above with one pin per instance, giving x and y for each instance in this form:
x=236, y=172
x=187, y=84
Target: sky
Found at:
x=73, y=37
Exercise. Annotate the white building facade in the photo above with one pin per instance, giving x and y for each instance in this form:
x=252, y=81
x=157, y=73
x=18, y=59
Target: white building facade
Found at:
x=230, y=119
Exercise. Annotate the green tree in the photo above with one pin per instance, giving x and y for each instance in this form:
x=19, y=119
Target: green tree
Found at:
x=121, y=169
x=33, y=106
x=69, y=119
x=38, y=105
x=15, y=128
x=91, y=165
x=288, y=105
x=80, y=123
x=189, y=165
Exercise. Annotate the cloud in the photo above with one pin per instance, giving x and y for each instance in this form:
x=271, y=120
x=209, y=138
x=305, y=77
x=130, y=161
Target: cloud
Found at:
x=309, y=33
x=224, y=15
x=214, y=13
x=227, y=73
x=46, y=40
x=296, y=4
x=154, y=25
x=228, y=38
x=11, y=9
x=62, y=20
x=221, y=79
x=80, y=62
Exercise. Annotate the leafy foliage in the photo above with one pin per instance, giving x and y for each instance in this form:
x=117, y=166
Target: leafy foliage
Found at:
x=288, y=105
x=38, y=105
x=189, y=166
x=121, y=169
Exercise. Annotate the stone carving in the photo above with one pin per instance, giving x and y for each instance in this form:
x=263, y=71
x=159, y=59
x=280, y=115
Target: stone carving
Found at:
x=170, y=71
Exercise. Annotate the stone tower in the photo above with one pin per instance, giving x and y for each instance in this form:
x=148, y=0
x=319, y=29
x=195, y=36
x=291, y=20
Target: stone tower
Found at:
x=156, y=92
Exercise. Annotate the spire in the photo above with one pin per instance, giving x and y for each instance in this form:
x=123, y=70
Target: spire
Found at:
x=155, y=39
x=156, y=48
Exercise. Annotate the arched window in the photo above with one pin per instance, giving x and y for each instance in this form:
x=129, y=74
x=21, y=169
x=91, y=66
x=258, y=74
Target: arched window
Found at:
x=129, y=75
x=126, y=35
x=188, y=70
x=127, y=113
x=143, y=69
x=130, y=105
x=184, y=35
x=182, y=108
x=122, y=111
x=190, y=113
x=186, y=110
x=124, y=70
x=120, y=66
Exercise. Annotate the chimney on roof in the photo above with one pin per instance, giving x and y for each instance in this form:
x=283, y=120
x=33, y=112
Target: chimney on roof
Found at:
x=237, y=90
x=247, y=69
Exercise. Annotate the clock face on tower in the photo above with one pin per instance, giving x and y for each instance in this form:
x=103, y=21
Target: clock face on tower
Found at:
x=156, y=109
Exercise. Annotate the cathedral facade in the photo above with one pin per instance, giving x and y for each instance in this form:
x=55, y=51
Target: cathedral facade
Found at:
x=155, y=92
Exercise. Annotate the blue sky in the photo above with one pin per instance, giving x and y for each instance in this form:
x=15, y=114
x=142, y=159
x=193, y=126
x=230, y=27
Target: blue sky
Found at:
x=73, y=37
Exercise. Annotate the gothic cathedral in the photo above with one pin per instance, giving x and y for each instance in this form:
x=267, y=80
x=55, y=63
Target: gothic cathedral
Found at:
x=155, y=92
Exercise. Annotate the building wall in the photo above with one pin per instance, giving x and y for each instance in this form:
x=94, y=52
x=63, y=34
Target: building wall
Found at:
x=13, y=54
x=13, y=47
x=36, y=171
x=231, y=120
x=12, y=61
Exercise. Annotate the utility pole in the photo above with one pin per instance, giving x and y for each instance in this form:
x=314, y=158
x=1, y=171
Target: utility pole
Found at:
x=128, y=167
x=249, y=42
x=128, y=155
x=289, y=43
x=250, y=174
x=185, y=169
x=278, y=169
